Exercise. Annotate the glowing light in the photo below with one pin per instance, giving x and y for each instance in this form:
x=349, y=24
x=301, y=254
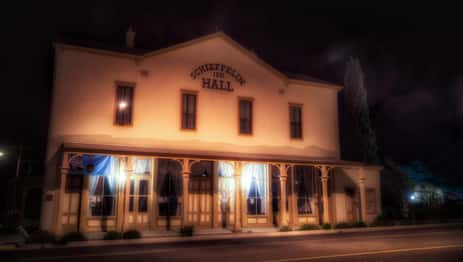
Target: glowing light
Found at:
x=122, y=105
x=1, y=154
x=412, y=197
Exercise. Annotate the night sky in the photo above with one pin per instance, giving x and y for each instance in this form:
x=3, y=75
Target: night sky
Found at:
x=412, y=57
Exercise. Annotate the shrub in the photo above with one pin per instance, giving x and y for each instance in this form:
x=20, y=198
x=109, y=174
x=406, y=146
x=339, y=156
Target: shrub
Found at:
x=359, y=224
x=326, y=226
x=285, y=229
x=131, y=234
x=112, y=235
x=343, y=225
x=309, y=227
x=72, y=236
x=187, y=231
x=41, y=237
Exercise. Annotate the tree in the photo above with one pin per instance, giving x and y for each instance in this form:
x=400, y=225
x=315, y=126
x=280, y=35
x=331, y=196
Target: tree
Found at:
x=356, y=103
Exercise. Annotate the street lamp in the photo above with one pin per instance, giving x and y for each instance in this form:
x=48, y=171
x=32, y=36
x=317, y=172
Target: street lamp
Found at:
x=1, y=153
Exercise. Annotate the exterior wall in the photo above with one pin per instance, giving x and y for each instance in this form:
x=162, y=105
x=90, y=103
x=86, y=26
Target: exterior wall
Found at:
x=84, y=104
x=350, y=178
x=83, y=108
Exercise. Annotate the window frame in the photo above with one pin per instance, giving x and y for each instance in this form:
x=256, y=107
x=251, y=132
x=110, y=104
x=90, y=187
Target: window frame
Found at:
x=301, y=122
x=369, y=192
x=265, y=205
x=101, y=197
x=308, y=196
x=186, y=93
x=251, y=125
x=131, y=85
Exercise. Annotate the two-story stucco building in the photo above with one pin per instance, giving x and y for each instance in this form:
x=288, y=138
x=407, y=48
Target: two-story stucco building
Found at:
x=201, y=133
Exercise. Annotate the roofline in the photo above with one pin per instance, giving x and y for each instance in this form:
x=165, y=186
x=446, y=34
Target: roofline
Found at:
x=219, y=34
x=313, y=83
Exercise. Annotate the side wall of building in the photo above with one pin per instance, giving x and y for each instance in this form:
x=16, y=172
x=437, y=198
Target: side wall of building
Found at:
x=346, y=194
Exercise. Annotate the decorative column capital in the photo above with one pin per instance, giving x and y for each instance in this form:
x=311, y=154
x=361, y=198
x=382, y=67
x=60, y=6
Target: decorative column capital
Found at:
x=362, y=180
x=283, y=168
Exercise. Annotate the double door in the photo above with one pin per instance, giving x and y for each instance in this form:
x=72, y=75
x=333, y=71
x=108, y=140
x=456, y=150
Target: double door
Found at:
x=200, y=201
x=138, y=202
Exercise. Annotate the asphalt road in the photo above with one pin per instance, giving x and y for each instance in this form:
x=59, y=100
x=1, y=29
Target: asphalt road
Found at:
x=397, y=246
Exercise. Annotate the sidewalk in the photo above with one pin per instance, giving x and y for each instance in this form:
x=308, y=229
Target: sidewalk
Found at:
x=163, y=237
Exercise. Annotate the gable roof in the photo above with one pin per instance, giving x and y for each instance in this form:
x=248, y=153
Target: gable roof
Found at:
x=143, y=54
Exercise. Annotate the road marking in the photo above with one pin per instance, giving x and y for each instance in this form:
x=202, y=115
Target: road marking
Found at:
x=387, y=251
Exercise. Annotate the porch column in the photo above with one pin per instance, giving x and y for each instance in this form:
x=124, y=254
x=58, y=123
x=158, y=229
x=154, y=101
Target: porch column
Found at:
x=363, y=200
x=215, y=196
x=283, y=211
x=326, y=208
x=83, y=205
x=120, y=200
x=186, y=183
x=237, y=177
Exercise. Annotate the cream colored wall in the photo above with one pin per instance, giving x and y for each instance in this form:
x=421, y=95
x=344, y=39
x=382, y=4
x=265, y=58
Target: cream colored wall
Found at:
x=84, y=102
x=346, y=177
x=83, y=105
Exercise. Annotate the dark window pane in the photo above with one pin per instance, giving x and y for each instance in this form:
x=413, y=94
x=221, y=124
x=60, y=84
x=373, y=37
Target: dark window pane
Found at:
x=132, y=187
x=245, y=114
x=74, y=183
x=188, y=111
x=295, y=116
x=131, y=203
x=108, y=204
x=143, y=187
x=142, y=204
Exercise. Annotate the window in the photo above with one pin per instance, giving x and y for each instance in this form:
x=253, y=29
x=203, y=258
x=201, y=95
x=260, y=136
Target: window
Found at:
x=74, y=183
x=169, y=181
x=371, y=200
x=245, y=115
x=255, y=184
x=295, y=118
x=102, y=190
x=188, y=111
x=141, y=195
x=303, y=184
x=124, y=105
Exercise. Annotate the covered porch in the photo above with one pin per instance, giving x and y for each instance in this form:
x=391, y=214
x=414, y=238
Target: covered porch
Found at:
x=156, y=191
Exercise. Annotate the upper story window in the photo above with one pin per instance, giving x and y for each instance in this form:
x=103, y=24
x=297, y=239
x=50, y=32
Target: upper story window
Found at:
x=295, y=119
x=124, y=105
x=245, y=115
x=188, y=110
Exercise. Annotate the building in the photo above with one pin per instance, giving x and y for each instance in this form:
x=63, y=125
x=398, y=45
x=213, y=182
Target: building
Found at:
x=201, y=133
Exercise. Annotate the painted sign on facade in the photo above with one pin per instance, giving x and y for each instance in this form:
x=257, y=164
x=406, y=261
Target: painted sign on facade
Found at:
x=215, y=76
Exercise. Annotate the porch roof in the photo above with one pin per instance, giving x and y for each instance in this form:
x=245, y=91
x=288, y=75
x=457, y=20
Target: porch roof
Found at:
x=208, y=155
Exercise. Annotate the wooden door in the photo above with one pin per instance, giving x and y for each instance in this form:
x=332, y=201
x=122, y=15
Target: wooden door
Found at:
x=200, y=201
x=138, y=191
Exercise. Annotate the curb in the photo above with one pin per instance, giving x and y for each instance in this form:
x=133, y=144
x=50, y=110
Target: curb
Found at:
x=229, y=236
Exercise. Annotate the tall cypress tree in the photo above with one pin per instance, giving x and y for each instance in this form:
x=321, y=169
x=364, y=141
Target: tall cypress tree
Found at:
x=355, y=102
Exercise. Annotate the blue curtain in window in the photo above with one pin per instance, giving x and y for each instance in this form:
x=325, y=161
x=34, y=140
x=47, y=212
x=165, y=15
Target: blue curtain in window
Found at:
x=93, y=165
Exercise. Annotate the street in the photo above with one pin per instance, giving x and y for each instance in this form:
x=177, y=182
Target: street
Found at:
x=444, y=244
